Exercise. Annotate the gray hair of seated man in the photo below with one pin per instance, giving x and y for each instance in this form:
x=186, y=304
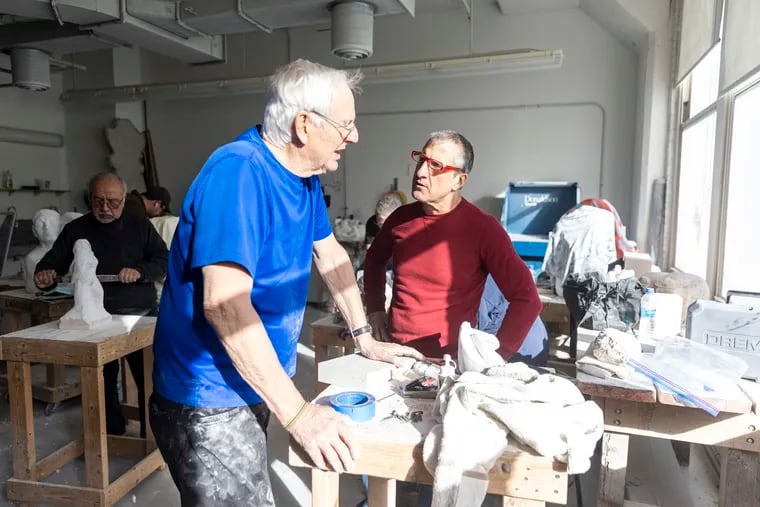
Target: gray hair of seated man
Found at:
x=387, y=205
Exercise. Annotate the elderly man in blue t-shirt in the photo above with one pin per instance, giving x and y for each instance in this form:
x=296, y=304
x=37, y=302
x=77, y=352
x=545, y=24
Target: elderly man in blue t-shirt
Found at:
x=234, y=298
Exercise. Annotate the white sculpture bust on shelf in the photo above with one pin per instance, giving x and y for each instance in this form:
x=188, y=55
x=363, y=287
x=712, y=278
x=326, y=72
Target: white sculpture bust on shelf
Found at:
x=45, y=225
x=88, y=311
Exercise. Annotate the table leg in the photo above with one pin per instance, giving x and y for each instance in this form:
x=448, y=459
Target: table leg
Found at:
x=324, y=488
x=56, y=375
x=22, y=420
x=738, y=478
x=94, y=428
x=148, y=390
x=320, y=354
x=11, y=321
x=381, y=492
x=612, y=470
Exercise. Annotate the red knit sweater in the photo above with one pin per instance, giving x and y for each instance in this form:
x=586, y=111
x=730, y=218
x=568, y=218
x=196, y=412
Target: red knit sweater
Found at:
x=440, y=264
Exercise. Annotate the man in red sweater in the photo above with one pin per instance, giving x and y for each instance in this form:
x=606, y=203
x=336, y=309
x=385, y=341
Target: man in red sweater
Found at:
x=443, y=248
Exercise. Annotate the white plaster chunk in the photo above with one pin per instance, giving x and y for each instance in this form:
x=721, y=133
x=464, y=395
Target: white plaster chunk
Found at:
x=88, y=311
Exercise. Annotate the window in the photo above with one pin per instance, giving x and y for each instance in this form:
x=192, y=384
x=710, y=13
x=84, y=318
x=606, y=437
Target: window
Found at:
x=699, y=93
x=742, y=242
x=704, y=82
x=694, y=196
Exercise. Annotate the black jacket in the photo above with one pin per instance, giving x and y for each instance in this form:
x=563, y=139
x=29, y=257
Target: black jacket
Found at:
x=128, y=242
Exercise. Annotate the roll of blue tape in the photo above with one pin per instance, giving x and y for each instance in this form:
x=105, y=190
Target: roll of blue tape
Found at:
x=357, y=405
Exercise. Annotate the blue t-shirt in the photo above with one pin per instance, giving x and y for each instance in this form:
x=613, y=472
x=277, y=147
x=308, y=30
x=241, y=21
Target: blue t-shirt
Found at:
x=243, y=207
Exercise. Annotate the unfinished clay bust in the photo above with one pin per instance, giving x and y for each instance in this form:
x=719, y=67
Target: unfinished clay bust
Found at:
x=88, y=311
x=45, y=225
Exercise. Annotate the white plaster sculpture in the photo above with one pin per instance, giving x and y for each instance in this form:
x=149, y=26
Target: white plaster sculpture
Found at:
x=69, y=216
x=88, y=311
x=45, y=226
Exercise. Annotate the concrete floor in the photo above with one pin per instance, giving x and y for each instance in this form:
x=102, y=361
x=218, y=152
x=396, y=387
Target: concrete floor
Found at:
x=664, y=484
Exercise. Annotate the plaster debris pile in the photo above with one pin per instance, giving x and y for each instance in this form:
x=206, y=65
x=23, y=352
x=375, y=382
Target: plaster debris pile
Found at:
x=544, y=411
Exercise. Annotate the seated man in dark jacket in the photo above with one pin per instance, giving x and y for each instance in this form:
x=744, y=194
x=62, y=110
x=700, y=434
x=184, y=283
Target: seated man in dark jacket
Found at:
x=126, y=246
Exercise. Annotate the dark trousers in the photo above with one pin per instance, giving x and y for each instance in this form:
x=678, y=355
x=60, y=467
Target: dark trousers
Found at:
x=115, y=421
x=216, y=456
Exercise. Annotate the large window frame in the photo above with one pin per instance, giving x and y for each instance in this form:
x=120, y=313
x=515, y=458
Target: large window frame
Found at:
x=723, y=108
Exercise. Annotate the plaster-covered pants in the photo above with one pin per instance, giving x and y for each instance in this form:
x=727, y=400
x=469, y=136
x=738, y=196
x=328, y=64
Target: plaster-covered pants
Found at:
x=217, y=456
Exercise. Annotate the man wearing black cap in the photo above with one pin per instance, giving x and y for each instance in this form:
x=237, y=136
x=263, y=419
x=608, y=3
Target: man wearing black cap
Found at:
x=156, y=201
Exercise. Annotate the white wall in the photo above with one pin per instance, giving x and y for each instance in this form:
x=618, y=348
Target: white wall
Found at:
x=38, y=111
x=599, y=74
x=86, y=147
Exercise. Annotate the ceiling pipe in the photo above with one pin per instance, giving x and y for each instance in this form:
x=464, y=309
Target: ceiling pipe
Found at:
x=245, y=17
x=478, y=65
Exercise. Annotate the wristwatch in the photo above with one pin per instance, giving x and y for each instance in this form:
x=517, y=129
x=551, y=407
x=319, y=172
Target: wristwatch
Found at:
x=360, y=331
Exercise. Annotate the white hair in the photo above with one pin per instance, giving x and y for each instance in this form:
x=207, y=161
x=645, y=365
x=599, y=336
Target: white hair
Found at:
x=387, y=205
x=302, y=86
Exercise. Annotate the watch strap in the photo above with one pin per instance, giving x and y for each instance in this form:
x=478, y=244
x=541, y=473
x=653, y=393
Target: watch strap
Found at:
x=361, y=330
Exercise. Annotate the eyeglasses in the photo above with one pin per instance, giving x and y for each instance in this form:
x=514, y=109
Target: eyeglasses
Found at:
x=435, y=166
x=98, y=202
x=345, y=131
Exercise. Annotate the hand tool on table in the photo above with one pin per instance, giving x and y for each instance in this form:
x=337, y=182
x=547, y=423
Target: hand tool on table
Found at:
x=101, y=278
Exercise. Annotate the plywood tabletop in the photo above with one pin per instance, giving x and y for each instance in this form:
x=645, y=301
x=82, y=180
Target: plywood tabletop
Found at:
x=121, y=324
x=19, y=293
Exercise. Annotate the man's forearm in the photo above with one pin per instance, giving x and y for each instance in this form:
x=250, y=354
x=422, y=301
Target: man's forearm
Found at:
x=338, y=275
x=245, y=339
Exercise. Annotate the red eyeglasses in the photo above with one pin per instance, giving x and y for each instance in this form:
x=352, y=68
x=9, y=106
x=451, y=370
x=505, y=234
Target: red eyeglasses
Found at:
x=435, y=166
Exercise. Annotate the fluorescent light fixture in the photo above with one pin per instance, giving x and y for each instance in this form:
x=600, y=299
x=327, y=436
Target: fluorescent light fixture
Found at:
x=479, y=65
x=33, y=137
x=482, y=65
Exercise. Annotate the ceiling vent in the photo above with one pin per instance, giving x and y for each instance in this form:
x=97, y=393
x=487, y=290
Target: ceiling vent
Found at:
x=352, y=24
x=30, y=69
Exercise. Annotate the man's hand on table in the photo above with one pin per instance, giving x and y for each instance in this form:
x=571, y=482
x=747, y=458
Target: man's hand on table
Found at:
x=379, y=323
x=388, y=352
x=327, y=438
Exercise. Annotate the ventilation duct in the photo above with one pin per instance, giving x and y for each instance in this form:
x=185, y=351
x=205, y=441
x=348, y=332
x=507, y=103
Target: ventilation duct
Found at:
x=30, y=69
x=352, y=24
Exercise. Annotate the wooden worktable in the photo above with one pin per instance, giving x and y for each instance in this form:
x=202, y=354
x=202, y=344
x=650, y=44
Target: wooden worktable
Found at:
x=89, y=351
x=646, y=410
x=392, y=450
x=59, y=385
